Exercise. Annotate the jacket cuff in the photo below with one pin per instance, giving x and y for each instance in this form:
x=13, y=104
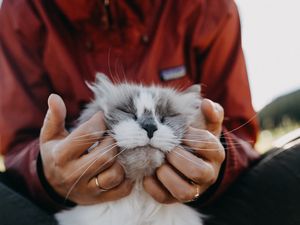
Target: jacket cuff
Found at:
x=61, y=202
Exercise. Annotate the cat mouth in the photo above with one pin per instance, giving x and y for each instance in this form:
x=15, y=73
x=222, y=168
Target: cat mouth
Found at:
x=150, y=146
x=154, y=147
x=145, y=147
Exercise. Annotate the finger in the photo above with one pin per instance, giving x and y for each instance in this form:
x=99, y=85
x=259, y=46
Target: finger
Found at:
x=214, y=115
x=175, y=184
x=192, y=167
x=83, y=137
x=54, y=122
x=204, y=144
x=99, y=159
x=111, y=177
x=116, y=193
x=198, y=138
x=157, y=190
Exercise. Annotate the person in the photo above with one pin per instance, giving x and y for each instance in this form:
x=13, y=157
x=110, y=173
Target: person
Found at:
x=55, y=46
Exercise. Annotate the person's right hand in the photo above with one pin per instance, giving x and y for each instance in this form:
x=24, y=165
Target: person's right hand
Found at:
x=69, y=170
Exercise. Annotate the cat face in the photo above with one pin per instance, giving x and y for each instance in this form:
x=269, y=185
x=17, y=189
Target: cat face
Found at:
x=146, y=122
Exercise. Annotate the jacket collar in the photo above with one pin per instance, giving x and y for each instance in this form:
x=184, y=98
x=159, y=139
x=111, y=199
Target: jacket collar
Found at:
x=80, y=10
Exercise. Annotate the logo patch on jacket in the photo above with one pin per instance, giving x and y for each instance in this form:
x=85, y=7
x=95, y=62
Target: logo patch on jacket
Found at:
x=173, y=73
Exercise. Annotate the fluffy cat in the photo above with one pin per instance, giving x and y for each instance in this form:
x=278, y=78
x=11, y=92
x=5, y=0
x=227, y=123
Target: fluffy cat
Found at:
x=147, y=123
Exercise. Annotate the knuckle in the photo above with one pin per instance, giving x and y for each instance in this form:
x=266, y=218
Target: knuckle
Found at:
x=221, y=155
x=114, y=178
x=161, y=198
x=65, y=180
x=186, y=195
x=195, y=174
x=106, y=158
x=212, y=177
x=212, y=180
x=58, y=162
x=89, y=129
x=161, y=170
x=126, y=190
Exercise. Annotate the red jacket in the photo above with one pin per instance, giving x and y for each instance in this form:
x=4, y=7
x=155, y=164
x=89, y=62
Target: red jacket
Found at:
x=54, y=46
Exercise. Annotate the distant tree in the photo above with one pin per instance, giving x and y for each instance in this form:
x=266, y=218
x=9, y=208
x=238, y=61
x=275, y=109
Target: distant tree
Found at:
x=286, y=107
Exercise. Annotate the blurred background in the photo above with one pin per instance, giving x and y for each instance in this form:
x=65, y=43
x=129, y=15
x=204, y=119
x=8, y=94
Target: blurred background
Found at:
x=271, y=42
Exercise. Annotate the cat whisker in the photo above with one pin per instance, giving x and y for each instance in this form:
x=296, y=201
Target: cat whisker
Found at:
x=108, y=62
x=89, y=134
x=204, y=149
x=190, y=160
x=239, y=127
x=211, y=142
x=92, y=163
x=123, y=70
x=232, y=141
x=202, y=141
x=201, y=135
x=109, y=147
x=116, y=68
x=87, y=140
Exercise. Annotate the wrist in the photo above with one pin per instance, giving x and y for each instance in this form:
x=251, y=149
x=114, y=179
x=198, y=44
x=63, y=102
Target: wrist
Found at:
x=61, y=201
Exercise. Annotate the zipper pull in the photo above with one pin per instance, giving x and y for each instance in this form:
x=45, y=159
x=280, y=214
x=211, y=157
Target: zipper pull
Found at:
x=107, y=12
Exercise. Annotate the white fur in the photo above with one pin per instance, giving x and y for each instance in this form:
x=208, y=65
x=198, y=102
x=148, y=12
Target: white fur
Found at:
x=164, y=139
x=136, y=209
x=129, y=134
x=144, y=101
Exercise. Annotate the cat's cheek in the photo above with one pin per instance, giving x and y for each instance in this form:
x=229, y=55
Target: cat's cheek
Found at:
x=164, y=139
x=128, y=134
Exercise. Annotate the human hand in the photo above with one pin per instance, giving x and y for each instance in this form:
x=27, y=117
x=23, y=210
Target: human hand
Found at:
x=199, y=169
x=69, y=170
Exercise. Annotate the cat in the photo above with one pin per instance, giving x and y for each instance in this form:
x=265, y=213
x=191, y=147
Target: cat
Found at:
x=147, y=122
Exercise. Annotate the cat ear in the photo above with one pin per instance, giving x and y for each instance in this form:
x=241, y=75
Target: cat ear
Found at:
x=102, y=84
x=196, y=88
x=102, y=78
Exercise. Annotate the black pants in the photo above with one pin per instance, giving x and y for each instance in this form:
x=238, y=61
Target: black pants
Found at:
x=268, y=194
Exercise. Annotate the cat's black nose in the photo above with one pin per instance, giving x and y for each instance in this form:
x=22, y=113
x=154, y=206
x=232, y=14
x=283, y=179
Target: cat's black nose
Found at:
x=150, y=128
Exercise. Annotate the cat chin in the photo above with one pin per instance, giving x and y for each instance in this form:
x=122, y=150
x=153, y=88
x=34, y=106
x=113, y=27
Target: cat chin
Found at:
x=141, y=161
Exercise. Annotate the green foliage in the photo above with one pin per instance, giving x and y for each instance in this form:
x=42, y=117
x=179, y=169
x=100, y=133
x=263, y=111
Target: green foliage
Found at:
x=282, y=109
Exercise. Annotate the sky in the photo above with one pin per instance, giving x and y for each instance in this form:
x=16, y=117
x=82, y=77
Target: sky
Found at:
x=271, y=43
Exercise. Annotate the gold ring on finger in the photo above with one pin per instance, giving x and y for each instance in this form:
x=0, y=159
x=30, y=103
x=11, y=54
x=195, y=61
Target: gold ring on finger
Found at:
x=197, y=192
x=98, y=184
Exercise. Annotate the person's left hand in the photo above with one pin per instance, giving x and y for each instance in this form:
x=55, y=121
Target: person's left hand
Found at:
x=197, y=170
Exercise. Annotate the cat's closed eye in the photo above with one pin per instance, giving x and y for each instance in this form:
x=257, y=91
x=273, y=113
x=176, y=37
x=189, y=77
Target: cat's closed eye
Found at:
x=129, y=113
x=164, y=118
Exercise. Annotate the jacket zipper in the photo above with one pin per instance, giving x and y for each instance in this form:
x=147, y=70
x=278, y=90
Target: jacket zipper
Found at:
x=107, y=12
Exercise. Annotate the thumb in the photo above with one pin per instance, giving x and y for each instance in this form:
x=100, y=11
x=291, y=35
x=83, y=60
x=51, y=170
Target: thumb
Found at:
x=54, y=122
x=214, y=115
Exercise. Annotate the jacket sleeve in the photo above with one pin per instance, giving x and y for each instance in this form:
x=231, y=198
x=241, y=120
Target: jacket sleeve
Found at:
x=223, y=77
x=24, y=89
